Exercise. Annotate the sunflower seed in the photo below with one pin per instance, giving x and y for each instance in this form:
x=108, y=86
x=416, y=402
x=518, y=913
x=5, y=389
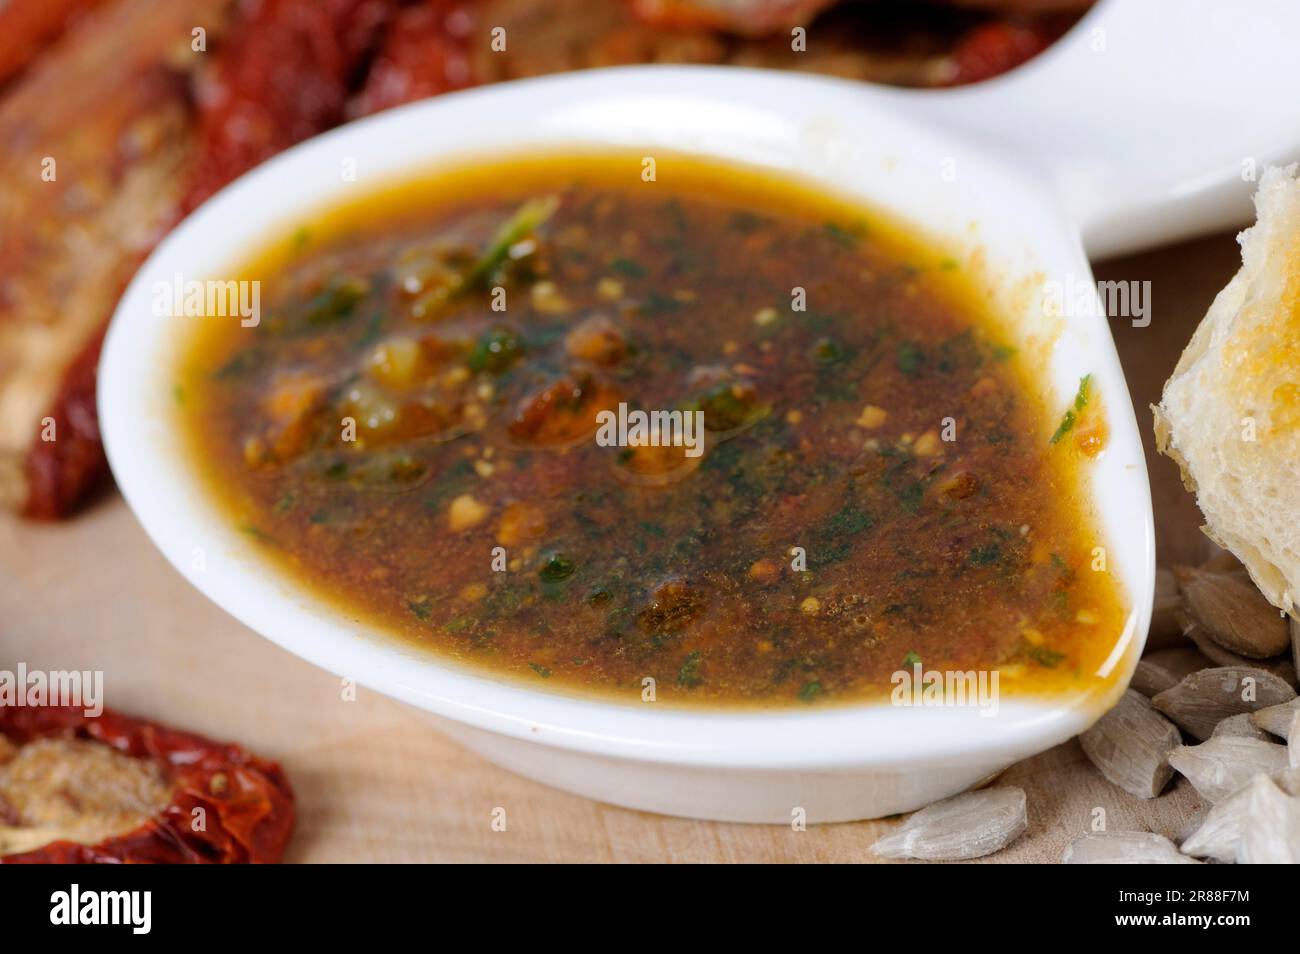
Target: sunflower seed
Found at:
x=1130, y=746
x=1293, y=741
x=1204, y=699
x=1295, y=644
x=1277, y=719
x=1233, y=612
x=1166, y=668
x=1220, y=835
x=1219, y=767
x=970, y=825
x=1270, y=834
x=1166, y=627
x=1242, y=725
x=1124, y=848
x=1278, y=666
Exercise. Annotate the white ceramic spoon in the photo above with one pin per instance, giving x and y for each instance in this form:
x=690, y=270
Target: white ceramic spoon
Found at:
x=1116, y=149
x=1151, y=119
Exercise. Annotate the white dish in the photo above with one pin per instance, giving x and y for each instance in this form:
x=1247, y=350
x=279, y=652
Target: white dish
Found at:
x=835, y=764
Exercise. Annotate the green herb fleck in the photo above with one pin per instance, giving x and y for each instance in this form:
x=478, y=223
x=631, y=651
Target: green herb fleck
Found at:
x=832, y=540
x=1071, y=416
x=243, y=363
x=828, y=351
x=658, y=304
x=847, y=235
x=556, y=568
x=628, y=268
x=911, y=495
x=910, y=358
x=495, y=351
x=258, y=534
x=810, y=691
x=526, y=220
x=337, y=301
x=849, y=520
x=1042, y=655
x=727, y=407
x=688, y=676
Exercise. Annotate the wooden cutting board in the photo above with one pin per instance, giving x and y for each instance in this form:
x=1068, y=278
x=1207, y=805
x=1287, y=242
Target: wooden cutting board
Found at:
x=374, y=783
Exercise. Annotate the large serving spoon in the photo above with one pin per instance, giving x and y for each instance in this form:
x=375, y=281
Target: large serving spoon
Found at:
x=1146, y=123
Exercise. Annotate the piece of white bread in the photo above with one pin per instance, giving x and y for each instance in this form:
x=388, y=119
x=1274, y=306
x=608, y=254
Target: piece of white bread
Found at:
x=1230, y=413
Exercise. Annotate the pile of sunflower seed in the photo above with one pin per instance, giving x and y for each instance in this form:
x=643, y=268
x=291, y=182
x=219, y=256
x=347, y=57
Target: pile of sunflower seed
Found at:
x=1213, y=699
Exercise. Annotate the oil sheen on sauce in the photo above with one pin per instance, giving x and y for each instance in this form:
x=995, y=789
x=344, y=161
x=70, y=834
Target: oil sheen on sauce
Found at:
x=410, y=432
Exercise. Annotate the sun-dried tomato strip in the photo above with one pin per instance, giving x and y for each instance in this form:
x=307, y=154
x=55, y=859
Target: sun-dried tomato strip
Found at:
x=64, y=471
x=227, y=806
x=282, y=74
x=28, y=26
x=994, y=48
x=425, y=53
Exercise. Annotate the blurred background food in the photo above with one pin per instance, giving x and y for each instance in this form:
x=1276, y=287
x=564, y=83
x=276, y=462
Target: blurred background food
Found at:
x=121, y=116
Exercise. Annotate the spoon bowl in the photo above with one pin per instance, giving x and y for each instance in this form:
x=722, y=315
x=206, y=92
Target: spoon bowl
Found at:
x=1020, y=214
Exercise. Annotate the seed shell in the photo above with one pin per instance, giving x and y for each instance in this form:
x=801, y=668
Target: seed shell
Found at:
x=1277, y=719
x=1124, y=848
x=1220, y=834
x=970, y=825
x=1221, y=766
x=1130, y=746
x=1204, y=699
x=1233, y=612
x=1166, y=668
x=1242, y=725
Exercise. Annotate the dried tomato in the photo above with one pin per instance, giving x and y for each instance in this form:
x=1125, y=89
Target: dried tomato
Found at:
x=65, y=471
x=226, y=806
x=282, y=74
x=27, y=27
x=425, y=53
x=992, y=49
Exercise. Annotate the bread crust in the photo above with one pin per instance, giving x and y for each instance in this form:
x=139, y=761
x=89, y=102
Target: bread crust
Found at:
x=1230, y=413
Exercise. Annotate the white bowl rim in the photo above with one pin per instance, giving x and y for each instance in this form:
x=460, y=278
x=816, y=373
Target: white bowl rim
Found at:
x=159, y=486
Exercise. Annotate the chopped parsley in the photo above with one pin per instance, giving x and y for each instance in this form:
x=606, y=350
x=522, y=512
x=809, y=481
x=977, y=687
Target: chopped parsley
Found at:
x=688, y=676
x=1071, y=416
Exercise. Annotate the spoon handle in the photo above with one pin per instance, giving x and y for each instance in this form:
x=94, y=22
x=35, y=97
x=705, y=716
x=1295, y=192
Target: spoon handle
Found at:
x=1153, y=118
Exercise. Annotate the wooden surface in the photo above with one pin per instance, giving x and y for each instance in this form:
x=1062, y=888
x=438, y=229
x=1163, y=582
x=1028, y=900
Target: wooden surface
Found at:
x=374, y=783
